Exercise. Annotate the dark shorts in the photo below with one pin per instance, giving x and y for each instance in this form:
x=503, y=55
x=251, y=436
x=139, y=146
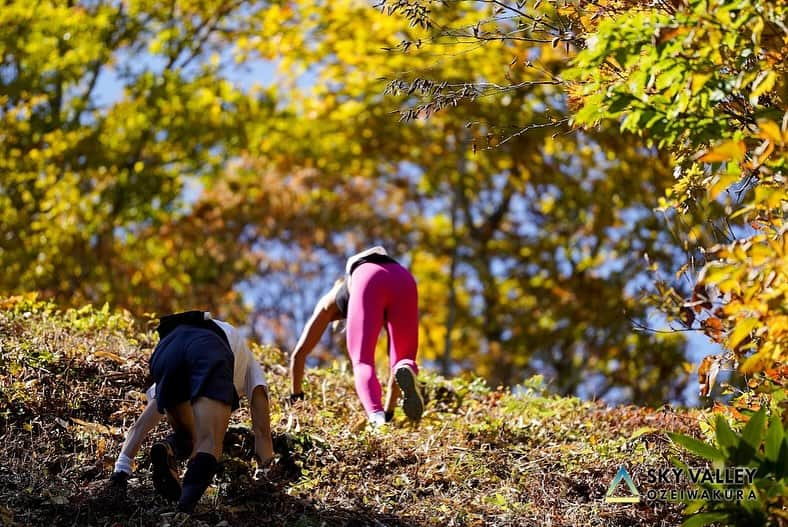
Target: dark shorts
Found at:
x=192, y=362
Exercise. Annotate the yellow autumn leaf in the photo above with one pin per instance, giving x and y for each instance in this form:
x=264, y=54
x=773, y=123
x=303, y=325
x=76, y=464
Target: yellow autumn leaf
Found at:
x=763, y=83
x=723, y=181
x=727, y=151
x=755, y=362
x=760, y=254
x=770, y=197
x=109, y=355
x=698, y=81
x=770, y=130
x=741, y=331
x=92, y=427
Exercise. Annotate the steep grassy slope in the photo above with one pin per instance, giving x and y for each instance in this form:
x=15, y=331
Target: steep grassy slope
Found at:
x=70, y=382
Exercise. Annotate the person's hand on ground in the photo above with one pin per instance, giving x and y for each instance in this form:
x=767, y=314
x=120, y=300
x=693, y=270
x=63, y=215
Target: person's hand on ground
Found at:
x=267, y=470
x=296, y=399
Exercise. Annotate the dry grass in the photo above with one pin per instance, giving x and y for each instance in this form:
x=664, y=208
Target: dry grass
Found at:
x=71, y=382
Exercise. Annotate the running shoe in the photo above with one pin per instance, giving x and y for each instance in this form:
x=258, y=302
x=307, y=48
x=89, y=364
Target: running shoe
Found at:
x=412, y=403
x=165, y=471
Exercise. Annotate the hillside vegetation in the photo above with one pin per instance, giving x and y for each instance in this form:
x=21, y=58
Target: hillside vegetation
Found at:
x=72, y=381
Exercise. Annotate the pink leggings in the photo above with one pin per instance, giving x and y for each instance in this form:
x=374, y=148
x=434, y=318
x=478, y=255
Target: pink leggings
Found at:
x=381, y=293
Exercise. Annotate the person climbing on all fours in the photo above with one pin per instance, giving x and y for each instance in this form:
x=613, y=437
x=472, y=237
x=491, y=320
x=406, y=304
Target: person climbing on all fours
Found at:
x=376, y=292
x=200, y=367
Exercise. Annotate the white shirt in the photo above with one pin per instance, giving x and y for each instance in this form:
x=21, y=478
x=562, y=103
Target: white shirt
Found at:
x=358, y=256
x=247, y=373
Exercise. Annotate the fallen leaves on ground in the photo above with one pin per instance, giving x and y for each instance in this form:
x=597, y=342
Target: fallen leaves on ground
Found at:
x=69, y=386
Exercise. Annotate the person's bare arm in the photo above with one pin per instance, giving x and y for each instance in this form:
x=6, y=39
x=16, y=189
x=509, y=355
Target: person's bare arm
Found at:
x=261, y=425
x=325, y=311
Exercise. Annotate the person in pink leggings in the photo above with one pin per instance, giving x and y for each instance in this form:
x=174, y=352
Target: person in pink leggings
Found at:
x=376, y=292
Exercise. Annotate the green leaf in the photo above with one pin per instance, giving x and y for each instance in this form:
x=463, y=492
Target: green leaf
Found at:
x=726, y=438
x=700, y=448
x=704, y=518
x=782, y=461
x=620, y=103
x=742, y=455
x=774, y=438
x=754, y=429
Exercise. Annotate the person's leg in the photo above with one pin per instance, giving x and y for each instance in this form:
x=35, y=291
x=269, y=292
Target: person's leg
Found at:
x=392, y=394
x=211, y=418
x=166, y=479
x=364, y=322
x=402, y=318
x=181, y=440
x=402, y=325
x=172, y=398
x=197, y=367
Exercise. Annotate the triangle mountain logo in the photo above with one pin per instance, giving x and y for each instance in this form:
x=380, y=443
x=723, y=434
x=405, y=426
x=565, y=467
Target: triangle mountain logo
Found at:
x=622, y=474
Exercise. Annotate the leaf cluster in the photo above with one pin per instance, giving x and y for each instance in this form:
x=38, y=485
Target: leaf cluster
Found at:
x=706, y=81
x=762, y=445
